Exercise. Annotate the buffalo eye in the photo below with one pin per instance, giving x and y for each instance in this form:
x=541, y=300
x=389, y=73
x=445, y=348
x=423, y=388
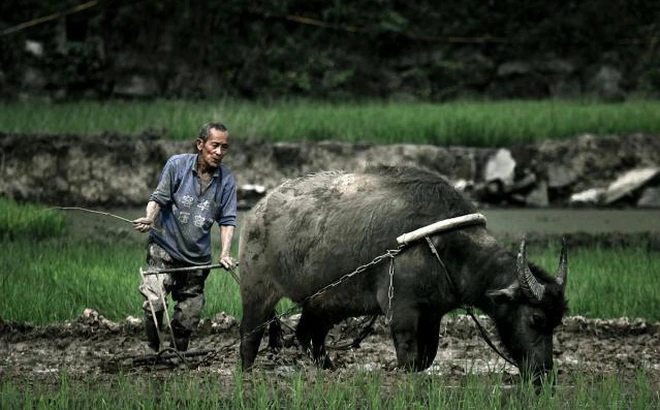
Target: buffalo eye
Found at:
x=538, y=320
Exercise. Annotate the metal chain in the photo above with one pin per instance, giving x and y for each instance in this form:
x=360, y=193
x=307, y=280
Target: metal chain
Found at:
x=390, y=294
x=391, y=253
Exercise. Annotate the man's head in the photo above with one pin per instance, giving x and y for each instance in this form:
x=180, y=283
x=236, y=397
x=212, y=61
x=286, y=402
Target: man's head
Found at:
x=212, y=144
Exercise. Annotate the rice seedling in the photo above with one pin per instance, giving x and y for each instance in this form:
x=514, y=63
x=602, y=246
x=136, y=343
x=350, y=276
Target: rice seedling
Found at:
x=29, y=221
x=603, y=283
x=475, y=123
x=611, y=283
x=373, y=390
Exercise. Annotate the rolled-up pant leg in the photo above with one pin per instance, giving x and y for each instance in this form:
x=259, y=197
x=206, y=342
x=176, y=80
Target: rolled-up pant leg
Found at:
x=188, y=292
x=155, y=288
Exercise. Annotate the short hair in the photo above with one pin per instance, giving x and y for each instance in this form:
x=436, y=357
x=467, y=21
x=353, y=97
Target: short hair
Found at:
x=206, y=129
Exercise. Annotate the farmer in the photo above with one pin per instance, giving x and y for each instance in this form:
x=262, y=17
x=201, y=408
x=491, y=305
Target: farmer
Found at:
x=193, y=192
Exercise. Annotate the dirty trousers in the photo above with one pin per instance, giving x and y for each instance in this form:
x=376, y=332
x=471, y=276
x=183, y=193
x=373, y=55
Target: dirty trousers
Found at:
x=187, y=291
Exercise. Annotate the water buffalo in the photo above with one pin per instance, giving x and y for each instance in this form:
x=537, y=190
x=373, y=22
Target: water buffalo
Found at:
x=310, y=231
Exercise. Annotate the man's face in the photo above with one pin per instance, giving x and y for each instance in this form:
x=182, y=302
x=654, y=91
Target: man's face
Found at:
x=214, y=149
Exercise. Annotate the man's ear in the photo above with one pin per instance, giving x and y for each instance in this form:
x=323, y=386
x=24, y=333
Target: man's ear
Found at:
x=507, y=294
x=200, y=144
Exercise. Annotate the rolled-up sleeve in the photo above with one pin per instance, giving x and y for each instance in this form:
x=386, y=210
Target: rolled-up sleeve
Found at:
x=163, y=192
x=227, y=214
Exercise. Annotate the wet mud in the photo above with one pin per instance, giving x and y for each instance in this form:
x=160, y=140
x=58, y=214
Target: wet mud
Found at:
x=93, y=347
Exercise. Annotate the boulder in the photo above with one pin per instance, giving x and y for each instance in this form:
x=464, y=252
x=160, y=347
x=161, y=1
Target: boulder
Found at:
x=630, y=182
x=592, y=196
x=249, y=194
x=538, y=197
x=500, y=166
x=560, y=176
x=650, y=198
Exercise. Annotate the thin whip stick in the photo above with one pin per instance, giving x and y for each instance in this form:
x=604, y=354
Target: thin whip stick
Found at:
x=77, y=208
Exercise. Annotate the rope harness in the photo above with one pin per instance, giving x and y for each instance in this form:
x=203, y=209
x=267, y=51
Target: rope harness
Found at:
x=468, y=309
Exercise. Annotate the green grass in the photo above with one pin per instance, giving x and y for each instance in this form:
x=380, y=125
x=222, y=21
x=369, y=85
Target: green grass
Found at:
x=51, y=277
x=453, y=123
x=28, y=221
x=318, y=390
x=610, y=283
x=55, y=279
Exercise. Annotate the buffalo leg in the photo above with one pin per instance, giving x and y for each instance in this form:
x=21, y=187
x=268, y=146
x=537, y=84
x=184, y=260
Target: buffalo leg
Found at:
x=416, y=337
x=256, y=314
x=274, y=332
x=311, y=333
x=404, y=328
x=427, y=340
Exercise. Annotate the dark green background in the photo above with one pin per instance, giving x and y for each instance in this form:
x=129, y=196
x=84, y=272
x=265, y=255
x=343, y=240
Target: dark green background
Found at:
x=421, y=50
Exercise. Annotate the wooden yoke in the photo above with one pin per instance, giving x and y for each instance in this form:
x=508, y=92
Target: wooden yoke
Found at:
x=441, y=226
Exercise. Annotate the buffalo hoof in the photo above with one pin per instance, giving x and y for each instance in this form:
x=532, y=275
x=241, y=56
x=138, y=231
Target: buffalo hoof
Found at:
x=325, y=363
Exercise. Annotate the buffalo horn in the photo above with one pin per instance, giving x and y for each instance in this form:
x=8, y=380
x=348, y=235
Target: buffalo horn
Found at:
x=562, y=270
x=528, y=282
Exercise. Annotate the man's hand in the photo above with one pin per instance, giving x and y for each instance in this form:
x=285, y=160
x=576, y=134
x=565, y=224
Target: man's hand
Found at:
x=151, y=214
x=227, y=262
x=142, y=224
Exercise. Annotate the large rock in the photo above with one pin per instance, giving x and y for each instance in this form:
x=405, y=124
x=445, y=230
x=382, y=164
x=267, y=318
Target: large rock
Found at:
x=560, y=176
x=650, y=198
x=500, y=166
x=592, y=196
x=630, y=182
x=136, y=86
x=538, y=197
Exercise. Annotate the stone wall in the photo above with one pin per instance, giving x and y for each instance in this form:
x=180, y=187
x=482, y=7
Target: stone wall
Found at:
x=119, y=170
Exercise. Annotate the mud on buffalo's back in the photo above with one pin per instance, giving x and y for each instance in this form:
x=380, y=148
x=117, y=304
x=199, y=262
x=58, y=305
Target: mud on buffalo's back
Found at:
x=347, y=215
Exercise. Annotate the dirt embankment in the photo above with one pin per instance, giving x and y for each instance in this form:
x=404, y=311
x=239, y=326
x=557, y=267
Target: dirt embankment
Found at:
x=117, y=170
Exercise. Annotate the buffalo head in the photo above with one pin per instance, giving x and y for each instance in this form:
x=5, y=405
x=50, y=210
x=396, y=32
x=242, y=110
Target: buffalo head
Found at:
x=528, y=311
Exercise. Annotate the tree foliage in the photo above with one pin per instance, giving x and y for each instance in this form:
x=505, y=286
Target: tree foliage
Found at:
x=315, y=48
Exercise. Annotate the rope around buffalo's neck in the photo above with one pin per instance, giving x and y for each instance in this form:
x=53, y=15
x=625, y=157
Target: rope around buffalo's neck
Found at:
x=467, y=309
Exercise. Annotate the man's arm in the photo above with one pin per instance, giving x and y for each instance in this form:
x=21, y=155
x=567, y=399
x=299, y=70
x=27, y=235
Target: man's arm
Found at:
x=226, y=235
x=146, y=222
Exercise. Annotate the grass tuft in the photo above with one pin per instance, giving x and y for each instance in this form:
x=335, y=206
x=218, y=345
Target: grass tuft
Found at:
x=29, y=221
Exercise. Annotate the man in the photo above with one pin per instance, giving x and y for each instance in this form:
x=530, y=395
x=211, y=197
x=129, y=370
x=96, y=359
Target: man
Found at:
x=193, y=192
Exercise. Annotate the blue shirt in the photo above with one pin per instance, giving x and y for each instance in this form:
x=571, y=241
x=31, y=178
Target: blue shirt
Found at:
x=186, y=216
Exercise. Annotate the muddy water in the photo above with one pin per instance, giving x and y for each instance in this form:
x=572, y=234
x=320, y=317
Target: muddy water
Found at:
x=500, y=221
x=558, y=221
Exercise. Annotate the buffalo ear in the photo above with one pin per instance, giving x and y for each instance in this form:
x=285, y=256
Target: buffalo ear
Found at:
x=507, y=294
